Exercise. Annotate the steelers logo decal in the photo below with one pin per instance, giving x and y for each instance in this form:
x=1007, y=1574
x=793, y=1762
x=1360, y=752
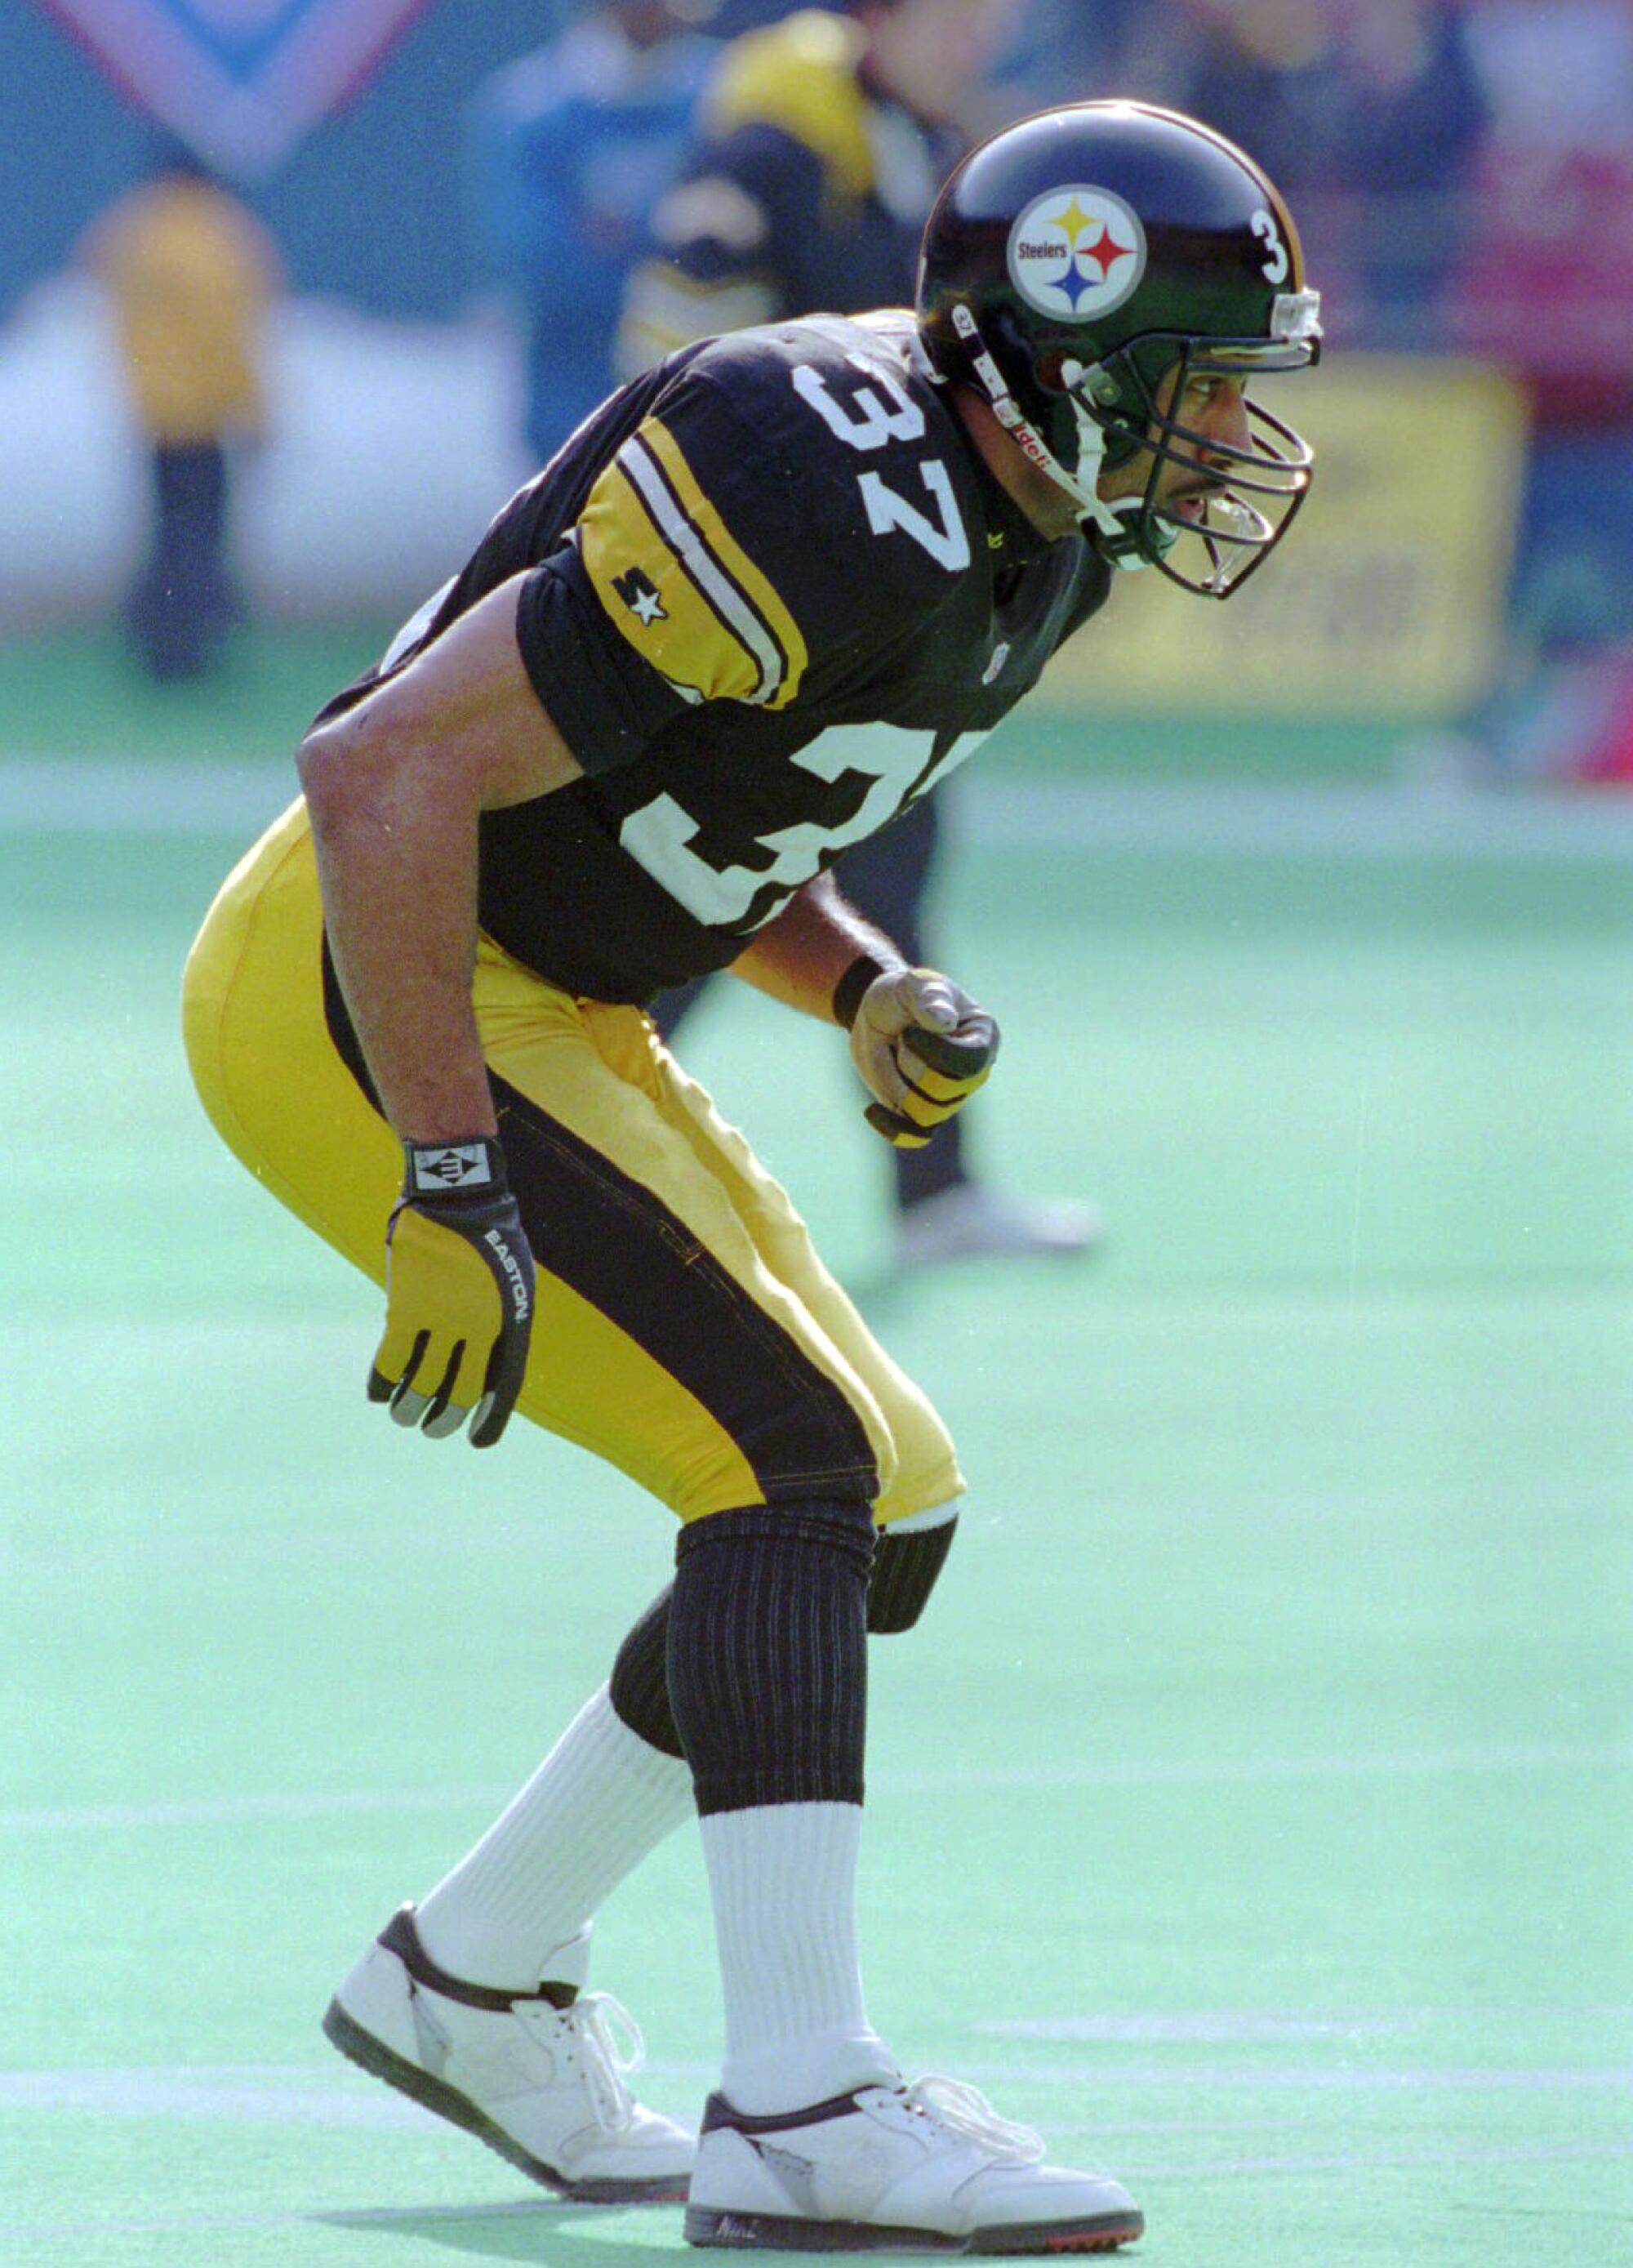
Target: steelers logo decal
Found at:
x=1076, y=252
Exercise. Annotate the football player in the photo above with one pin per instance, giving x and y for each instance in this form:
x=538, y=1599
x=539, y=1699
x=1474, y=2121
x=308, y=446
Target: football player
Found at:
x=822, y=144
x=768, y=594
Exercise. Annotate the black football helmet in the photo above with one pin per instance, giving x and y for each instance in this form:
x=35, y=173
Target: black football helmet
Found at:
x=1080, y=270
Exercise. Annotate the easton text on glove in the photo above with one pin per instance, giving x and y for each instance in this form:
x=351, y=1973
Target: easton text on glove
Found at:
x=459, y=1294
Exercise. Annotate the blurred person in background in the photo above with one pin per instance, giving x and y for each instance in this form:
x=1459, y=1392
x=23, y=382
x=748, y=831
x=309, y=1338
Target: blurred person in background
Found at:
x=571, y=146
x=1546, y=291
x=1369, y=111
x=191, y=276
x=820, y=148
x=735, y=17
x=1069, y=50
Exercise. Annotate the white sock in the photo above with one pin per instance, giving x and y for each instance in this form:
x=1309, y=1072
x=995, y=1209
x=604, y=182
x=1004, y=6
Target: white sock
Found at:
x=516, y=1912
x=783, y=1879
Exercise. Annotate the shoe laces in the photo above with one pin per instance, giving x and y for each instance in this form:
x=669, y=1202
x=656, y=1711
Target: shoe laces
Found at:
x=612, y=2043
x=965, y=2112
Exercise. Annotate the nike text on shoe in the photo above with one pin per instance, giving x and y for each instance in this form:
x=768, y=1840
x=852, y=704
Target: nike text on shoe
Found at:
x=930, y=2167
x=540, y=2084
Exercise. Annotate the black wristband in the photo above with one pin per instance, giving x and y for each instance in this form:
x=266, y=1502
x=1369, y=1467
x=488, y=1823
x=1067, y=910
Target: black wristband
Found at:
x=848, y=990
x=472, y=1167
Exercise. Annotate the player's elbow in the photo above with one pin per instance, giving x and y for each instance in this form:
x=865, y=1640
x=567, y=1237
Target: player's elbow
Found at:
x=344, y=762
x=321, y=772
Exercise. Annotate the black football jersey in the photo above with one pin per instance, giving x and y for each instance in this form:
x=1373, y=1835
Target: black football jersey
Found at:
x=771, y=595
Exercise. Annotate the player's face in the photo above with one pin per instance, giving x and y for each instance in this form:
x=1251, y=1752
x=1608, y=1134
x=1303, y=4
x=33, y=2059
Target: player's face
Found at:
x=1213, y=409
x=930, y=53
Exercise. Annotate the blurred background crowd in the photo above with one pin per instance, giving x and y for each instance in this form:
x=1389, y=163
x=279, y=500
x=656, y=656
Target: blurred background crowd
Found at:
x=295, y=233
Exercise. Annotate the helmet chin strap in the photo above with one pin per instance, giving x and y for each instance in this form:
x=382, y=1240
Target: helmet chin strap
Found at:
x=1116, y=524
x=1110, y=523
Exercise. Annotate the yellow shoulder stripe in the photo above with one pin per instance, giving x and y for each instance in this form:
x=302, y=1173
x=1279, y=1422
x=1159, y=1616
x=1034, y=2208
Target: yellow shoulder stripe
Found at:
x=761, y=592
x=650, y=598
x=800, y=75
x=678, y=586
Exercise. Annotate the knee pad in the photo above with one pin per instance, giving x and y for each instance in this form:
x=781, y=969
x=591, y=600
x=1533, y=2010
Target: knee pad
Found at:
x=906, y=1563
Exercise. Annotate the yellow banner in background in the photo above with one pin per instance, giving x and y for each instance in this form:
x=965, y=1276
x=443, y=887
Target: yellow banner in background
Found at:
x=1386, y=600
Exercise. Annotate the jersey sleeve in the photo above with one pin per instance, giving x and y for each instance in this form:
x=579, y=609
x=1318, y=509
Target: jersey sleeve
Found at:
x=606, y=711
x=655, y=605
x=723, y=553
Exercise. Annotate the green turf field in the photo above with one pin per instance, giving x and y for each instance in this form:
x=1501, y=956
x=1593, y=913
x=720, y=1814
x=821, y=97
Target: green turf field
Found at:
x=1252, y=1814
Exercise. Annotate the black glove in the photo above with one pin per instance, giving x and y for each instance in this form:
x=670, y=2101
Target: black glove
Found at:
x=459, y=1294
x=921, y=1046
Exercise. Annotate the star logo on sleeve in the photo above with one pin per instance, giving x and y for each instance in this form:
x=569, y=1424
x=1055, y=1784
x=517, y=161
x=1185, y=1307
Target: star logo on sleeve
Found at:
x=639, y=594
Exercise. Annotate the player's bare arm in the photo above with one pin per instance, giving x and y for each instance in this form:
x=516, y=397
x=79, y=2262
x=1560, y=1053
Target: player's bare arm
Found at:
x=395, y=788
x=800, y=955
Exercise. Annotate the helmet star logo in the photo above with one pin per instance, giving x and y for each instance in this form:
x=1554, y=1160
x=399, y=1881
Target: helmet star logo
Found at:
x=1078, y=283
x=1104, y=250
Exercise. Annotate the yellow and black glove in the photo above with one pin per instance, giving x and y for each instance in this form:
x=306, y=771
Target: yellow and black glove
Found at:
x=459, y=1294
x=919, y=1042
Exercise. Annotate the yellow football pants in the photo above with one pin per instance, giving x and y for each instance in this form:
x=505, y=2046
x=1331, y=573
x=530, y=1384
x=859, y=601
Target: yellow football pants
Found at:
x=685, y=1329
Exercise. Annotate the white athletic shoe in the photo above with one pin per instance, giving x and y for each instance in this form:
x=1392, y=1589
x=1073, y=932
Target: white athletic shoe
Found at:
x=543, y=2084
x=927, y=2168
x=969, y=1222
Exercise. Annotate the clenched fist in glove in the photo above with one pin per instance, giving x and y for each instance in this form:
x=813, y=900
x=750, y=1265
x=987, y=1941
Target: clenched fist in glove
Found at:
x=921, y=1046
x=459, y=1294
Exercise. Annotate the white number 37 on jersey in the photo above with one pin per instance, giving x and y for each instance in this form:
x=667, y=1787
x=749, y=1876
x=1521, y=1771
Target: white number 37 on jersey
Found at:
x=880, y=411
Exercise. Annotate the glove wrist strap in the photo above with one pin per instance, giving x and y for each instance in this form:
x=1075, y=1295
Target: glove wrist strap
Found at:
x=472, y=1165
x=851, y=986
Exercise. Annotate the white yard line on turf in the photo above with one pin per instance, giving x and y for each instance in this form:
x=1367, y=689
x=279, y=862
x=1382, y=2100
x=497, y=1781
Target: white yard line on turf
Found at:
x=1391, y=819
x=1538, y=1756
x=546, y=2210
x=284, y=2097
x=273, y=2097
x=113, y=795
x=110, y=795
x=1238, y=2027
x=1519, y=2153
x=543, y=2209
x=1541, y=1756
x=219, y=1810
x=1238, y=2079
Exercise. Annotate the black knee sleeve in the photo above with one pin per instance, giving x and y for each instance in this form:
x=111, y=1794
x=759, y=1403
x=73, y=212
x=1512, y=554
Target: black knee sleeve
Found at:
x=767, y=1653
x=639, y=1686
x=905, y=1568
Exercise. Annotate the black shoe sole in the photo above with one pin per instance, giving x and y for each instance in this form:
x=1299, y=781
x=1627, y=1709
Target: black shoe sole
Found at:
x=374, y=2057
x=765, y=2232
